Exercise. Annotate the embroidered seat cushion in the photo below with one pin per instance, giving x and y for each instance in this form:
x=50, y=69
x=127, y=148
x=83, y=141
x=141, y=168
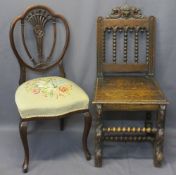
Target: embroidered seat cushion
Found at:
x=49, y=96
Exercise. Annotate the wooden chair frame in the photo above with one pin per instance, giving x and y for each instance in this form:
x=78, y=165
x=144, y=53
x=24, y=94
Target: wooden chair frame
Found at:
x=111, y=75
x=38, y=16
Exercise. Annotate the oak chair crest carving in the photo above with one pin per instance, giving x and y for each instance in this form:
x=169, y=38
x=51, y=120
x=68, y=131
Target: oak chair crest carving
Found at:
x=126, y=11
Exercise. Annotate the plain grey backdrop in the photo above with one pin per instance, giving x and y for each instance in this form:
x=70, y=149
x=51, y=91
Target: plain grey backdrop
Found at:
x=54, y=152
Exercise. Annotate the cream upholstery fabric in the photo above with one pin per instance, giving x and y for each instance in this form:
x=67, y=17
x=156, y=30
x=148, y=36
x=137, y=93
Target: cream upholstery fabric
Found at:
x=49, y=96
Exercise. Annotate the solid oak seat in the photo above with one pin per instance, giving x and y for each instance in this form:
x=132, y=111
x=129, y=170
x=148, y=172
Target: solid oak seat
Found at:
x=128, y=90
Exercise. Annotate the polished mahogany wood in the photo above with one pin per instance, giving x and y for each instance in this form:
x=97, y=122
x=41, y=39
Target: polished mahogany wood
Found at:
x=38, y=17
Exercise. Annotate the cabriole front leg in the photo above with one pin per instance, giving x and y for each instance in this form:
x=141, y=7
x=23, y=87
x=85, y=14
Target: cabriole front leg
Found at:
x=98, y=137
x=159, y=138
x=87, y=126
x=23, y=135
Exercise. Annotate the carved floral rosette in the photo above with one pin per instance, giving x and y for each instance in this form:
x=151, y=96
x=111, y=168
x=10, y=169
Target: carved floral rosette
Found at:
x=126, y=11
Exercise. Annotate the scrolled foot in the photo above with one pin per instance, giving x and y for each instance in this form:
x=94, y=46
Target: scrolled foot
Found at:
x=25, y=167
x=88, y=156
x=23, y=135
x=87, y=126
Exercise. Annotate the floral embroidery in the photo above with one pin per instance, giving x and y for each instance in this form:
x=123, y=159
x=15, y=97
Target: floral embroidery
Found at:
x=49, y=87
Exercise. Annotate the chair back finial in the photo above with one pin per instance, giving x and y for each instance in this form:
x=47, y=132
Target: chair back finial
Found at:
x=126, y=11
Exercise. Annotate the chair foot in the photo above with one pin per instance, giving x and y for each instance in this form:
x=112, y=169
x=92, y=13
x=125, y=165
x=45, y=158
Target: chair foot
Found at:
x=87, y=126
x=158, y=148
x=158, y=159
x=98, y=158
x=62, y=124
x=25, y=167
x=158, y=152
x=23, y=135
x=88, y=156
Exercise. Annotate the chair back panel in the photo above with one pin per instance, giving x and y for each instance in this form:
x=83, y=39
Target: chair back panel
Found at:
x=125, y=24
x=38, y=19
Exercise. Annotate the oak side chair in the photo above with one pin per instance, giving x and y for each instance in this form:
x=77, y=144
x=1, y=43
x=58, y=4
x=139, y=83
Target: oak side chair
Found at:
x=125, y=80
x=44, y=98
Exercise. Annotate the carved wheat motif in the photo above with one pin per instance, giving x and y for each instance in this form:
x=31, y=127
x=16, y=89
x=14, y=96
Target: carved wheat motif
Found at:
x=38, y=18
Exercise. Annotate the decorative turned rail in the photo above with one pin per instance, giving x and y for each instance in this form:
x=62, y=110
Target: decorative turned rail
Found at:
x=128, y=138
x=130, y=129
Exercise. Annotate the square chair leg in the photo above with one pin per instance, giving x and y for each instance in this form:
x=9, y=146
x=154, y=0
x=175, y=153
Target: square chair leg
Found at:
x=159, y=139
x=98, y=137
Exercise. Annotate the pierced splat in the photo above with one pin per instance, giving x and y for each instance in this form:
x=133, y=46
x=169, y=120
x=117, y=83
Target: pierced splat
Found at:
x=38, y=17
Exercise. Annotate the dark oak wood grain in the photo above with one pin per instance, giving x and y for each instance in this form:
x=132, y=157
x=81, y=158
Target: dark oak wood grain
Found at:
x=128, y=90
x=124, y=85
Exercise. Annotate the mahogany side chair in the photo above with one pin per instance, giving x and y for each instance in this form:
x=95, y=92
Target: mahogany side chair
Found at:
x=125, y=81
x=36, y=46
